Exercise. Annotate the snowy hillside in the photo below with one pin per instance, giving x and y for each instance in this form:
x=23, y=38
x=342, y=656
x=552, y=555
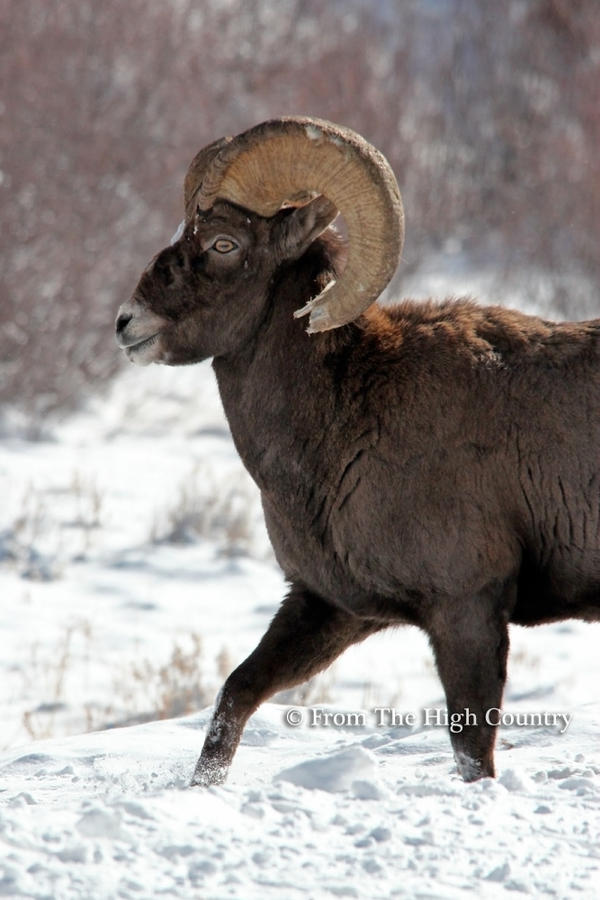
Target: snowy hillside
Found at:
x=135, y=573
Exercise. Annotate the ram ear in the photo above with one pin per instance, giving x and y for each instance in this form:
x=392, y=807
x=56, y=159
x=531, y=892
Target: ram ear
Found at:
x=295, y=231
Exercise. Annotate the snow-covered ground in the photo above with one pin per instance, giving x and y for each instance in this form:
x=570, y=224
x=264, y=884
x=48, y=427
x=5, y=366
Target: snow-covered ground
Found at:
x=135, y=572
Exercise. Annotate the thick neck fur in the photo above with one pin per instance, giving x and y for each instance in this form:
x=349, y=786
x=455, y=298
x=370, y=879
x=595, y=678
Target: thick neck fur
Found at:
x=279, y=391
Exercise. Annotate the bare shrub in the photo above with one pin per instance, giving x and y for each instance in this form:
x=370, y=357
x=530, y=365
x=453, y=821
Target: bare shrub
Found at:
x=33, y=541
x=224, y=511
x=312, y=692
x=49, y=671
x=147, y=690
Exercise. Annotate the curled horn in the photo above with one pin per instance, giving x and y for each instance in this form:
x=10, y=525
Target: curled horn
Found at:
x=286, y=162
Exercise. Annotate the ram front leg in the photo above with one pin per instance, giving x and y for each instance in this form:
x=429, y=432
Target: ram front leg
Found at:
x=305, y=636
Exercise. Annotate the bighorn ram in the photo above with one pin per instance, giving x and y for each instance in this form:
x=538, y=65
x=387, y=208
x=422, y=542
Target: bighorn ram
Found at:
x=434, y=463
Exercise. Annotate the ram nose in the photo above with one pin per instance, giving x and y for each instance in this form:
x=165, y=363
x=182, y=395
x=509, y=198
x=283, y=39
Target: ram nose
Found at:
x=123, y=320
x=138, y=329
x=126, y=331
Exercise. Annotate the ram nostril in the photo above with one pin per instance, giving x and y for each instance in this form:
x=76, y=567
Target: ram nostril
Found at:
x=122, y=322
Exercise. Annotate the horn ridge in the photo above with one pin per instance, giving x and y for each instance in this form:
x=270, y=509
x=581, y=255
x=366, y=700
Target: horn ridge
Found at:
x=283, y=159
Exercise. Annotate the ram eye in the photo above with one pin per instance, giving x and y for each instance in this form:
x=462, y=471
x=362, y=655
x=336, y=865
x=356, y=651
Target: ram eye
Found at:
x=224, y=245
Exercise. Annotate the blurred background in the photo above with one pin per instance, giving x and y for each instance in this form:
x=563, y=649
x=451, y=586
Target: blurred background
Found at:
x=128, y=525
x=488, y=112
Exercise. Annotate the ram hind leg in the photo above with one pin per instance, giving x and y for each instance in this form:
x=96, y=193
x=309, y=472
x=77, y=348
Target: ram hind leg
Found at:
x=305, y=636
x=470, y=642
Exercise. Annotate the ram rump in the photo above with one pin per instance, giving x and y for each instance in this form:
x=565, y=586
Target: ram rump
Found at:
x=433, y=463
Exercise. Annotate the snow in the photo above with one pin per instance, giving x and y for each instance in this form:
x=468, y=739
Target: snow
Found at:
x=357, y=815
x=338, y=772
x=135, y=572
